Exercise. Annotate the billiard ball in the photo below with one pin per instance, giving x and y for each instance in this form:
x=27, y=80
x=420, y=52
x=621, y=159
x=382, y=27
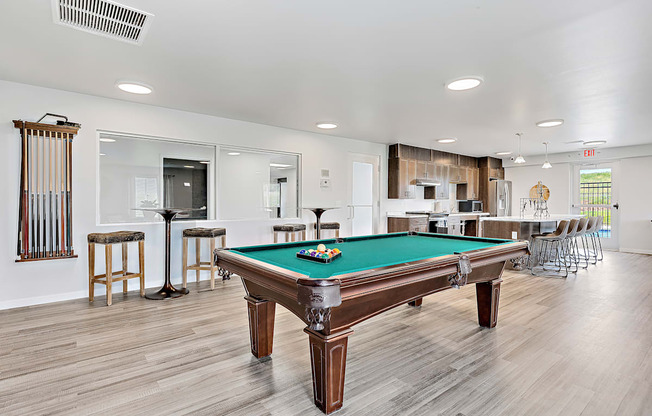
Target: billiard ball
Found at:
x=321, y=248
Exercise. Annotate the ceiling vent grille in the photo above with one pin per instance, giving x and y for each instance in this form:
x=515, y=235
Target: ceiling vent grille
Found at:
x=104, y=18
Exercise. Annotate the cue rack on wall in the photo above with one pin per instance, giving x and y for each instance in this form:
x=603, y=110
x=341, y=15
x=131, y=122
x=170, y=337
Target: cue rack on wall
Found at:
x=45, y=213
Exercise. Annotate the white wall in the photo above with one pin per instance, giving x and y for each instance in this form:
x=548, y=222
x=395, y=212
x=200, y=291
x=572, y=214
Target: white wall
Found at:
x=36, y=282
x=635, y=200
x=557, y=179
x=634, y=192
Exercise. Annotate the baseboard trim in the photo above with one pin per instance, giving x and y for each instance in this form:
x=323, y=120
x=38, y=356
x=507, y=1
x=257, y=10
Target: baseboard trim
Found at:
x=39, y=300
x=635, y=251
x=100, y=290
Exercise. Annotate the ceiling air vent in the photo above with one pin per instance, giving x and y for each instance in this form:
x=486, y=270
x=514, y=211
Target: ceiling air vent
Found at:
x=104, y=18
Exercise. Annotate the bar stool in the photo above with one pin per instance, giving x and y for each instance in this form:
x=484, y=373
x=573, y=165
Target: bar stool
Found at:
x=569, y=243
x=544, y=246
x=199, y=234
x=581, y=234
x=107, y=279
x=290, y=232
x=328, y=226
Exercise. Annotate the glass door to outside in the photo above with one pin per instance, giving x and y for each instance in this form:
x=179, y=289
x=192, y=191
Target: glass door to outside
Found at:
x=596, y=196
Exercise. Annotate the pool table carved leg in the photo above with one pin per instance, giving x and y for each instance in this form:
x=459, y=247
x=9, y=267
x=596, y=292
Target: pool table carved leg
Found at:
x=488, y=294
x=261, y=326
x=328, y=358
x=415, y=303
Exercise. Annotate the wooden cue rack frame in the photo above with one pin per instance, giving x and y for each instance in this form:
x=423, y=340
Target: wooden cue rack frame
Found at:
x=45, y=216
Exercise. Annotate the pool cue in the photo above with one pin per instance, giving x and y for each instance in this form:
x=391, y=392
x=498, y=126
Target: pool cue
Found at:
x=20, y=198
x=24, y=198
x=68, y=201
x=56, y=194
x=50, y=215
x=31, y=194
x=44, y=252
x=63, y=219
x=38, y=195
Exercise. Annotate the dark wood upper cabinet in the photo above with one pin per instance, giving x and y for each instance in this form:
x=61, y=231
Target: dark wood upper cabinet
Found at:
x=409, y=163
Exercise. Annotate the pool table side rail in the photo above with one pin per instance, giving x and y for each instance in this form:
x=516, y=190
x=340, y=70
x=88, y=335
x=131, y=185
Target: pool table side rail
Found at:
x=339, y=240
x=230, y=258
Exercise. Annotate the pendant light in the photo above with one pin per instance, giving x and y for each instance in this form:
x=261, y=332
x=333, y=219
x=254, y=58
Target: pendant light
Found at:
x=519, y=159
x=546, y=164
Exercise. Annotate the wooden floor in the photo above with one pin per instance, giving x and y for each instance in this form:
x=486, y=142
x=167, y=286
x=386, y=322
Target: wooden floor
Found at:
x=576, y=346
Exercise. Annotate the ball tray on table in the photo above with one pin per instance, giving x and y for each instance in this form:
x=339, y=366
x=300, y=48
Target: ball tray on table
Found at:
x=322, y=255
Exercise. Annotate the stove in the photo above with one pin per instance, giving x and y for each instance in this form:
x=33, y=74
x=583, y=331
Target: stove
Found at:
x=437, y=221
x=431, y=215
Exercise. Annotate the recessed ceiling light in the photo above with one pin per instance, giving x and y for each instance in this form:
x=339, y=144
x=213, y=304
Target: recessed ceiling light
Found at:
x=279, y=165
x=550, y=123
x=205, y=162
x=503, y=153
x=134, y=87
x=326, y=125
x=102, y=154
x=594, y=142
x=233, y=154
x=189, y=167
x=464, y=83
x=447, y=140
x=107, y=140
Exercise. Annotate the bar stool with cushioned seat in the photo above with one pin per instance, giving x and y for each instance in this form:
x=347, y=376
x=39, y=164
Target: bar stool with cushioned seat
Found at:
x=328, y=226
x=200, y=234
x=290, y=231
x=108, y=239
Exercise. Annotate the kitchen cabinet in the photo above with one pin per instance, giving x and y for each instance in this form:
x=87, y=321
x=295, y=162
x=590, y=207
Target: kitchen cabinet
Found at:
x=402, y=224
x=469, y=189
x=458, y=174
x=409, y=163
x=473, y=184
x=400, y=173
x=430, y=170
x=421, y=171
x=442, y=175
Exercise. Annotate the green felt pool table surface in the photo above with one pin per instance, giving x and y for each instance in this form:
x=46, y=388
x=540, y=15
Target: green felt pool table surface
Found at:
x=364, y=253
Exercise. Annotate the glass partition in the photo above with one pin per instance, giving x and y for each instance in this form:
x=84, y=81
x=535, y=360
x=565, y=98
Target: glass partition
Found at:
x=257, y=184
x=142, y=172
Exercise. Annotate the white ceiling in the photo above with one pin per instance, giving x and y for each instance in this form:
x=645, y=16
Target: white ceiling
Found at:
x=376, y=67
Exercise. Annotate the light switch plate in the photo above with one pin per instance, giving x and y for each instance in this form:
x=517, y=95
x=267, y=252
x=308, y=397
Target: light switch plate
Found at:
x=514, y=235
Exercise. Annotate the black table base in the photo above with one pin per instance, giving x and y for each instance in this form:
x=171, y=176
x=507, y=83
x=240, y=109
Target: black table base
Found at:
x=167, y=291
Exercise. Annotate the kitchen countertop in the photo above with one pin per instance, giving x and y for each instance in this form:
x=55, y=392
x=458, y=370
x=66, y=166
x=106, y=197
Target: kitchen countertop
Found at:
x=552, y=217
x=407, y=215
x=456, y=214
x=473, y=214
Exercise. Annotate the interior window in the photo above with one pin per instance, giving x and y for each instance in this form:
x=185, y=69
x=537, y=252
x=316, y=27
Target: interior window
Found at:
x=257, y=184
x=137, y=172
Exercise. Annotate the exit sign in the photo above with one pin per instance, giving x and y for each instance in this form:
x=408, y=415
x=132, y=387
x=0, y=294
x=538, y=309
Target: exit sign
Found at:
x=589, y=153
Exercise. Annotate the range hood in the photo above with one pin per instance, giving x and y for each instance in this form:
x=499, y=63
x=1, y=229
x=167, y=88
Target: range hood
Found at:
x=427, y=182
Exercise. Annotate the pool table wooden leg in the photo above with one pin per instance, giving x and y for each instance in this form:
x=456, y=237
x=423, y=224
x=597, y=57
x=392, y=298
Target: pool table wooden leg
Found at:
x=328, y=357
x=416, y=302
x=261, y=326
x=488, y=294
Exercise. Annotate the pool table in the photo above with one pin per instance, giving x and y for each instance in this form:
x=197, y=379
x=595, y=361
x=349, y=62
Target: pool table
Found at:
x=375, y=273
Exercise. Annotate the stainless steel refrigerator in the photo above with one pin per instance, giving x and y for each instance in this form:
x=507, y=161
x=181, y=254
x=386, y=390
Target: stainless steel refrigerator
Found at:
x=500, y=198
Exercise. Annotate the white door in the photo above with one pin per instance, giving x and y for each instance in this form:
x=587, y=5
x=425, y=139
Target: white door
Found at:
x=364, y=194
x=595, y=193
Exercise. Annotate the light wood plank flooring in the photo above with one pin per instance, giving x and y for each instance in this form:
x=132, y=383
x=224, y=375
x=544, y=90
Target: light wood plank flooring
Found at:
x=576, y=346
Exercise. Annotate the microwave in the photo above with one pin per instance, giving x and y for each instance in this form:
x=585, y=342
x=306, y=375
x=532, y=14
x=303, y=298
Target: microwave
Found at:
x=470, y=206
